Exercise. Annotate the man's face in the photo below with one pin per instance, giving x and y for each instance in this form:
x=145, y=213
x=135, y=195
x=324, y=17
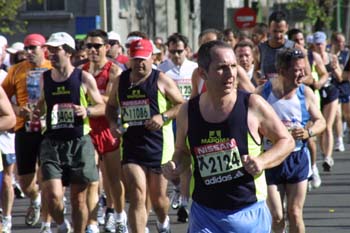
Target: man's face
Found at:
x=114, y=49
x=340, y=42
x=230, y=39
x=222, y=72
x=57, y=56
x=34, y=53
x=96, y=49
x=141, y=67
x=177, y=52
x=245, y=57
x=277, y=31
x=299, y=39
x=295, y=74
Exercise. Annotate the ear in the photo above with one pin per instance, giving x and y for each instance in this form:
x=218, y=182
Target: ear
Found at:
x=202, y=73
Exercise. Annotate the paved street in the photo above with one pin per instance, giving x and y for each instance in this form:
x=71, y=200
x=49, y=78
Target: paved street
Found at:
x=327, y=209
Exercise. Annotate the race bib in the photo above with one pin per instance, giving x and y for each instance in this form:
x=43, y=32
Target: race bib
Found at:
x=62, y=116
x=136, y=112
x=219, y=162
x=185, y=87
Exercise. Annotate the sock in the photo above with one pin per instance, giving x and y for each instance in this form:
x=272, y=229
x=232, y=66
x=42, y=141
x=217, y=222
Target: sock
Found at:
x=7, y=218
x=165, y=224
x=120, y=217
x=93, y=227
x=37, y=201
x=64, y=225
x=184, y=201
x=340, y=140
x=45, y=224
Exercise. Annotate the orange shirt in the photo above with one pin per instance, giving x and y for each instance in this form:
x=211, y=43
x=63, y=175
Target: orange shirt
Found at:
x=15, y=83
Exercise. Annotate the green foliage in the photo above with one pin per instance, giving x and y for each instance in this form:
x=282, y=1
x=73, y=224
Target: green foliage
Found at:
x=315, y=9
x=9, y=22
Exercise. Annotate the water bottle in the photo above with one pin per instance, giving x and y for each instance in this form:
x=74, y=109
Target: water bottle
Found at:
x=294, y=123
x=121, y=127
x=33, y=90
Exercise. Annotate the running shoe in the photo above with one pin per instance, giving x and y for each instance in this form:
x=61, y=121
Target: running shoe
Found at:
x=45, y=229
x=175, y=199
x=182, y=214
x=66, y=229
x=339, y=146
x=109, y=223
x=6, y=225
x=328, y=163
x=18, y=191
x=92, y=228
x=33, y=214
x=316, y=179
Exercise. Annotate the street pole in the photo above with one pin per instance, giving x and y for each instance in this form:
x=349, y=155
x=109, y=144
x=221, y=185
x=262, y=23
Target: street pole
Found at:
x=103, y=14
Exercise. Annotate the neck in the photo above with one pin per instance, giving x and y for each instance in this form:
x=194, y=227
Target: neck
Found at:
x=283, y=89
x=99, y=65
x=64, y=72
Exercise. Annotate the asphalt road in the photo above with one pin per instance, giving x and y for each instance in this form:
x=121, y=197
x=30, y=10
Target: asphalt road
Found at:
x=327, y=209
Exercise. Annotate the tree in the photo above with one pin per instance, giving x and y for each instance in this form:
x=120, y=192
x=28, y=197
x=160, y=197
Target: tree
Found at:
x=9, y=22
x=318, y=12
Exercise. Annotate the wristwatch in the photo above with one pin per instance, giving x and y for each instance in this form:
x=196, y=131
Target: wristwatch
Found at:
x=88, y=113
x=309, y=131
x=165, y=117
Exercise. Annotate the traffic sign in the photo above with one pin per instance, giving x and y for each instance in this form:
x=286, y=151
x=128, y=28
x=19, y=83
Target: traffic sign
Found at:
x=245, y=17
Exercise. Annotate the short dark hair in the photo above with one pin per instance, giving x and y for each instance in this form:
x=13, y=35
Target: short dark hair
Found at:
x=261, y=28
x=138, y=33
x=277, y=16
x=335, y=35
x=204, y=52
x=244, y=43
x=98, y=33
x=219, y=34
x=293, y=32
x=176, y=38
x=68, y=49
x=285, y=56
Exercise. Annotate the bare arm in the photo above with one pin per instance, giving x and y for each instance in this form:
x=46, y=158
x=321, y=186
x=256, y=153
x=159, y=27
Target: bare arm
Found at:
x=114, y=72
x=244, y=82
x=195, y=81
x=98, y=108
x=167, y=86
x=319, y=123
x=112, y=107
x=321, y=71
x=7, y=116
x=262, y=120
x=182, y=157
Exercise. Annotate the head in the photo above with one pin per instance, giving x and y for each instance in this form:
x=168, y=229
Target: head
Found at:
x=297, y=36
x=244, y=53
x=338, y=41
x=134, y=35
x=61, y=48
x=141, y=57
x=278, y=27
x=34, y=46
x=259, y=33
x=218, y=66
x=177, y=48
x=96, y=43
x=230, y=37
x=158, y=41
x=209, y=35
x=290, y=64
x=16, y=52
x=115, y=44
x=319, y=41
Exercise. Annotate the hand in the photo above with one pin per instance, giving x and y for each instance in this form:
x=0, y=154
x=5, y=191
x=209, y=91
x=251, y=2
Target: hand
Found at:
x=170, y=170
x=299, y=133
x=24, y=111
x=251, y=165
x=80, y=111
x=155, y=123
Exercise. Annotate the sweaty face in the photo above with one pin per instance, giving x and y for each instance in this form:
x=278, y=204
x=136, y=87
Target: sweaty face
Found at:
x=277, y=32
x=295, y=74
x=245, y=57
x=222, y=72
x=34, y=54
x=141, y=67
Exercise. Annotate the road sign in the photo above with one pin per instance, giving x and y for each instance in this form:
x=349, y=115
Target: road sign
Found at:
x=245, y=17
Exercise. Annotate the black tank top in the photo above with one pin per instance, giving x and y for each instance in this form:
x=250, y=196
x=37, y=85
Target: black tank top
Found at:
x=221, y=182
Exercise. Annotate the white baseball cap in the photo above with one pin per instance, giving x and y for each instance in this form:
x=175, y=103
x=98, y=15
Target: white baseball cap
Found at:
x=114, y=36
x=15, y=47
x=61, y=38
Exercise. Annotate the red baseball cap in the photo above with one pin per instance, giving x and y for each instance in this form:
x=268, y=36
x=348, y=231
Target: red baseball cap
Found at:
x=34, y=39
x=141, y=49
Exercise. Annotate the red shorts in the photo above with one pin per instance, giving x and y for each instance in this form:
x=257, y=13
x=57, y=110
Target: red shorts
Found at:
x=102, y=137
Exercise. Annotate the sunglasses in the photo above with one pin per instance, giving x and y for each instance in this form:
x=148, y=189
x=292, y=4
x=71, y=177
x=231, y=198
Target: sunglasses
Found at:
x=295, y=53
x=53, y=49
x=95, y=46
x=178, y=51
x=113, y=42
x=30, y=47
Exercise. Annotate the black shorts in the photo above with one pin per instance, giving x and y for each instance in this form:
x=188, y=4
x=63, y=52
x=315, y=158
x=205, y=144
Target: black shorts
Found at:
x=328, y=94
x=27, y=147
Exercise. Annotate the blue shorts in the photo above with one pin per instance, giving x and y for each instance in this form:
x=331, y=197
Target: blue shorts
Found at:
x=294, y=169
x=344, y=91
x=247, y=220
x=8, y=159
